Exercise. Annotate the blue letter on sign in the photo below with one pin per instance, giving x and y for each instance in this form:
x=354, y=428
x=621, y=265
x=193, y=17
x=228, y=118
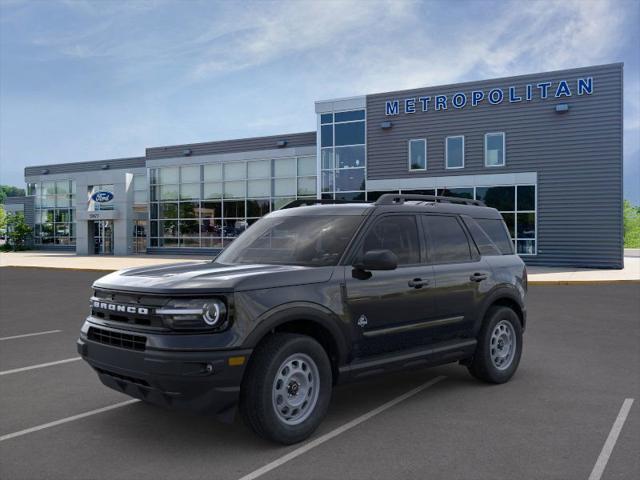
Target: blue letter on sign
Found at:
x=459, y=100
x=441, y=102
x=476, y=97
x=391, y=107
x=425, y=103
x=410, y=105
x=512, y=95
x=496, y=96
x=544, y=86
x=563, y=89
x=585, y=85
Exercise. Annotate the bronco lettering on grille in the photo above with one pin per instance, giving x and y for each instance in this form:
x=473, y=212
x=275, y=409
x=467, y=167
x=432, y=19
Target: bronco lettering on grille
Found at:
x=113, y=307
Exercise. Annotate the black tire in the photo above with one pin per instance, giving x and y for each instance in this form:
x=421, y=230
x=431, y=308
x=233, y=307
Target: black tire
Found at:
x=482, y=365
x=256, y=401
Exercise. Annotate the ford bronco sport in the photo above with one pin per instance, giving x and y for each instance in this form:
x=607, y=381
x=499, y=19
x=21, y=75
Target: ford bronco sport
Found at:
x=308, y=297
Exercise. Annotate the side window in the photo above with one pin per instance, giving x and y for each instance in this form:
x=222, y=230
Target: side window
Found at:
x=482, y=240
x=449, y=243
x=397, y=233
x=497, y=232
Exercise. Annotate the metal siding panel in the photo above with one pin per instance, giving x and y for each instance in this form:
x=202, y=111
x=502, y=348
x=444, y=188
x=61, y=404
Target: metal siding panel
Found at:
x=230, y=146
x=114, y=164
x=577, y=155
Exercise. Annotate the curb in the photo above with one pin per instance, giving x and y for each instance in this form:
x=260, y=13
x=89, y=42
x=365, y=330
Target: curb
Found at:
x=584, y=282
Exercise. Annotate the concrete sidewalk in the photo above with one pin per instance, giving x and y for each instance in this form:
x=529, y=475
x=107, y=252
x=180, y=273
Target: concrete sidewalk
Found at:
x=69, y=260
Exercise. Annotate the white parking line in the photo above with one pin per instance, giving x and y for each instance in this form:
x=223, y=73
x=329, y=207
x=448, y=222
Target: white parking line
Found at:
x=601, y=463
x=334, y=433
x=66, y=420
x=29, y=335
x=40, y=365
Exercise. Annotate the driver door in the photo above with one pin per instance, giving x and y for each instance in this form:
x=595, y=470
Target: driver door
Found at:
x=390, y=309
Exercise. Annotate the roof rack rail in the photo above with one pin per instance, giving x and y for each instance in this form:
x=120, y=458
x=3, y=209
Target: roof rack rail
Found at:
x=302, y=202
x=398, y=199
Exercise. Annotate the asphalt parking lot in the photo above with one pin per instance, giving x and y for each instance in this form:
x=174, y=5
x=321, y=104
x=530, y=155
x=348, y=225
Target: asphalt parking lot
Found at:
x=580, y=363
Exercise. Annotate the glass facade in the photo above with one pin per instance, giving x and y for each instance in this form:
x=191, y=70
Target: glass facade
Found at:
x=208, y=206
x=343, y=155
x=54, y=212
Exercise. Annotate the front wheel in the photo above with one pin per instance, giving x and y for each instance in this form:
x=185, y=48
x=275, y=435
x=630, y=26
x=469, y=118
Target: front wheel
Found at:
x=286, y=391
x=499, y=346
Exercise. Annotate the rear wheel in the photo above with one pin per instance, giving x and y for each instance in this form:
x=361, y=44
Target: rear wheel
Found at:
x=499, y=346
x=286, y=392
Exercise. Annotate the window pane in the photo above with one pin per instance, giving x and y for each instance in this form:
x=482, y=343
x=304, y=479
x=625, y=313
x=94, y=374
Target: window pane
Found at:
x=494, y=153
x=140, y=196
x=527, y=197
x=139, y=182
x=326, y=133
x=350, y=157
x=259, y=188
x=210, y=228
x=327, y=181
x=306, y=166
x=350, y=196
x=349, y=133
x=168, y=175
x=417, y=154
x=259, y=169
x=169, y=192
x=213, y=190
x=284, y=186
x=457, y=192
x=419, y=192
x=189, y=209
x=189, y=191
x=526, y=247
x=373, y=196
x=190, y=174
x=455, y=152
x=510, y=221
x=62, y=187
x=168, y=210
x=526, y=225
x=306, y=186
x=281, y=202
x=348, y=116
x=234, y=189
x=233, y=209
x=235, y=171
x=327, y=158
x=213, y=172
x=350, y=179
x=49, y=188
x=326, y=118
x=211, y=210
x=500, y=198
x=398, y=234
x=284, y=167
x=189, y=228
x=168, y=228
x=482, y=239
x=257, y=208
x=448, y=241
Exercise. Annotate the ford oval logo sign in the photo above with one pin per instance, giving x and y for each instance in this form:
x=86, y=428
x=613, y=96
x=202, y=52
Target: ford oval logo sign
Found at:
x=102, y=197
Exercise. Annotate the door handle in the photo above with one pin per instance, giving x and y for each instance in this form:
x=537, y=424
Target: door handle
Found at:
x=418, y=283
x=478, y=277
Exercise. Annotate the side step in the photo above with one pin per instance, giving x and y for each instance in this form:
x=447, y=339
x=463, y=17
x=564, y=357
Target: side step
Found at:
x=445, y=352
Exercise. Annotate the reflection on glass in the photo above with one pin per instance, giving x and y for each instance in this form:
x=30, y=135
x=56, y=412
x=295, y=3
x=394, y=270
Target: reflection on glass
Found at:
x=350, y=179
x=500, y=198
x=526, y=197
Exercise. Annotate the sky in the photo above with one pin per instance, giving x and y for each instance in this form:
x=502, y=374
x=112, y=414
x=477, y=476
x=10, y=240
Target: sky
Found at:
x=88, y=80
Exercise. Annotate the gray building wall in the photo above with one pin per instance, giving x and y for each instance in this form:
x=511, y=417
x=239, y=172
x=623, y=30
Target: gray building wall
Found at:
x=577, y=155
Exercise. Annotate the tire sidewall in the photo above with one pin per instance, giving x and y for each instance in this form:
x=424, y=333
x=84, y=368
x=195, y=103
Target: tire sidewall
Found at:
x=273, y=424
x=492, y=373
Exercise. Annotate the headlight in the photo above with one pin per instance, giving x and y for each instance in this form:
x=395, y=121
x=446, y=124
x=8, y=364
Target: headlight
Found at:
x=209, y=314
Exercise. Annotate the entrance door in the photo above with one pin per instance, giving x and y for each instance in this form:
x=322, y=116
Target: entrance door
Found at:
x=103, y=237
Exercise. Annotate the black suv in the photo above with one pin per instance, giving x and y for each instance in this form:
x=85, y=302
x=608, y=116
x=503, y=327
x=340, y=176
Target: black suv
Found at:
x=308, y=297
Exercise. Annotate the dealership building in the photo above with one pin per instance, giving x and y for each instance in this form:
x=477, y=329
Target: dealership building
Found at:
x=544, y=149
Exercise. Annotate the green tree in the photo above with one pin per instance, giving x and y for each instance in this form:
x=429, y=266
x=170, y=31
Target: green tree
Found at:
x=631, y=225
x=17, y=231
x=3, y=218
x=10, y=191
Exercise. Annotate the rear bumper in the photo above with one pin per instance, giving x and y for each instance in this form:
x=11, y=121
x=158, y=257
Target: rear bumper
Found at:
x=200, y=381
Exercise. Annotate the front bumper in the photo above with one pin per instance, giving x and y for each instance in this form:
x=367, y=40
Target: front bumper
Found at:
x=200, y=381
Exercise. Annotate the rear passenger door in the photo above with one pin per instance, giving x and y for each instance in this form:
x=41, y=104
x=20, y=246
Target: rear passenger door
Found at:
x=459, y=274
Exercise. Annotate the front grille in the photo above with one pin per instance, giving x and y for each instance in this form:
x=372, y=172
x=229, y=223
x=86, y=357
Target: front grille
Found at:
x=148, y=320
x=117, y=339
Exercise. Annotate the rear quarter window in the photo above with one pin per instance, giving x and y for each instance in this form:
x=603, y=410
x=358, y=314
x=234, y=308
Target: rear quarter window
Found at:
x=496, y=230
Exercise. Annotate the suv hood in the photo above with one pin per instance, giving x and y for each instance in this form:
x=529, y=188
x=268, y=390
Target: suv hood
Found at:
x=205, y=277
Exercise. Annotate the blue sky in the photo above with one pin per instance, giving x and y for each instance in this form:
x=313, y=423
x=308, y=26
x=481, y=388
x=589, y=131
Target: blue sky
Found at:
x=87, y=80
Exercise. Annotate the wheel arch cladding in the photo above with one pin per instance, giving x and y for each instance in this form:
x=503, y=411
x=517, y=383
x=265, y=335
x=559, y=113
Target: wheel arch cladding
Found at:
x=509, y=302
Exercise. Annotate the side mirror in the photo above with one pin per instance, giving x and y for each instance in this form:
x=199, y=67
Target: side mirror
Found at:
x=378, y=260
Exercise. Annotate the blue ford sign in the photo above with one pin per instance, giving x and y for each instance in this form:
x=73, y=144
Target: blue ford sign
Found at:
x=102, y=197
x=493, y=96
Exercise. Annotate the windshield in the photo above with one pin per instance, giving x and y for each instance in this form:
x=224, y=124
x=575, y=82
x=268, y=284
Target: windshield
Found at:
x=314, y=241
